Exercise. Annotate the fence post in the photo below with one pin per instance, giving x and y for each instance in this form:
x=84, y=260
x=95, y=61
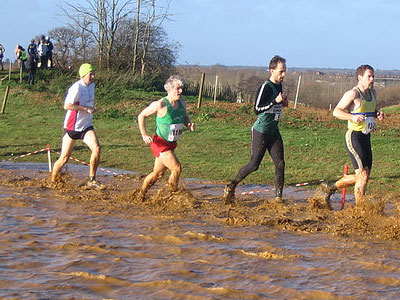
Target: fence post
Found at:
x=215, y=89
x=3, y=107
x=203, y=75
x=49, y=157
x=297, y=92
x=9, y=71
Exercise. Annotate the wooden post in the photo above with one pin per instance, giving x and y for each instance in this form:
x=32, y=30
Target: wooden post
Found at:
x=215, y=88
x=345, y=172
x=297, y=92
x=9, y=71
x=49, y=157
x=203, y=76
x=3, y=107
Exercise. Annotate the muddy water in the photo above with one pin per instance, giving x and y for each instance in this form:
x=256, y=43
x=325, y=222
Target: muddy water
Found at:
x=66, y=242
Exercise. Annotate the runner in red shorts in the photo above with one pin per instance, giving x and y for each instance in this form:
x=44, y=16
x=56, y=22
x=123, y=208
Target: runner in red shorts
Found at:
x=171, y=117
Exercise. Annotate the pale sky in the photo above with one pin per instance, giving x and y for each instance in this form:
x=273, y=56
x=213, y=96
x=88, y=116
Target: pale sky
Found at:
x=308, y=33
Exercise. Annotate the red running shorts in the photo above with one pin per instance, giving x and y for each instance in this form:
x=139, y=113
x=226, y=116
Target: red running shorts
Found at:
x=159, y=145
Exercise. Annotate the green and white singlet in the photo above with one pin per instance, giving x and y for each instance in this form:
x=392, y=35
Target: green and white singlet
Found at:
x=170, y=126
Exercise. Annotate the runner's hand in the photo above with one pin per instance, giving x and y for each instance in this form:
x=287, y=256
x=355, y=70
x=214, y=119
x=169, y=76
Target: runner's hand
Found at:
x=90, y=110
x=191, y=126
x=280, y=98
x=357, y=118
x=147, y=139
x=380, y=115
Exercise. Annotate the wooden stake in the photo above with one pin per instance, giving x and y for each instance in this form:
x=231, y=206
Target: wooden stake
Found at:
x=3, y=107
x=203, y=76
x=9, y=71
x=345, y=172
x=297, y=92
x=215, y=88
x=49, y=157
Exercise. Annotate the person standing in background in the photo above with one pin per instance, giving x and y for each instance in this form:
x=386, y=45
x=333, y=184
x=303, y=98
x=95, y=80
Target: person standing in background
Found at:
x=31, y=66
x=2, y=50
x=49, y=58
x=42, y=51
x=32, y=50
x=20, y=53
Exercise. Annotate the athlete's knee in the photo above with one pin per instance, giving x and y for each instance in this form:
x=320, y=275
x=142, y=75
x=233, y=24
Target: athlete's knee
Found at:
x=63, y=159
x=280, y=165
x=159, y=174
x=177, y=168
x=96, y=150
x=362, y=177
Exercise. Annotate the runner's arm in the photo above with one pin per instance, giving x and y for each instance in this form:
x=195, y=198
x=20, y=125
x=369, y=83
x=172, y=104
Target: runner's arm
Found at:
x=342, y=108
x=263, y=99
x=187, y=122
x=152, y=109
x=88, y=109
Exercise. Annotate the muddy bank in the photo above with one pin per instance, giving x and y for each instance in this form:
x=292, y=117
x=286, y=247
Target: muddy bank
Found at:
x=378, y=219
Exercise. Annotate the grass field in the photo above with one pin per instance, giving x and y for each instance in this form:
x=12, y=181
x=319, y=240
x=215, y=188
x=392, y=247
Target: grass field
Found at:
x=313, y=139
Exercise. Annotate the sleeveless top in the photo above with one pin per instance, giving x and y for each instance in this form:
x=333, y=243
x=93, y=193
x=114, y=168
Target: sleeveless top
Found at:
x=170, y=126
x=267, y=122
x=367, y=108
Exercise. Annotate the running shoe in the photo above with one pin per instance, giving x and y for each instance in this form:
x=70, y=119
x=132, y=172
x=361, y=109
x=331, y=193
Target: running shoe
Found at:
x=328, y=188
x=94, y=184
x=229, y=193
x=279, y=199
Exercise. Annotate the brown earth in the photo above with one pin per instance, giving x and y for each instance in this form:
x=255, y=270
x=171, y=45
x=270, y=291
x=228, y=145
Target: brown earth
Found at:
x=378, y=218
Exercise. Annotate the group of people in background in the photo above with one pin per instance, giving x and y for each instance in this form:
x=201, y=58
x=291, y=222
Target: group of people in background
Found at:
x=35, y=56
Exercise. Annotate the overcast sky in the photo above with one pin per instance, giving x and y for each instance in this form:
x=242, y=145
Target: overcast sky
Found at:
x=308, y=33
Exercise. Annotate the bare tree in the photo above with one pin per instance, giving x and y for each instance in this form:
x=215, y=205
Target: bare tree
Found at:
x=161, y=54
x=153, y=21
x=101, y=19
x=137, y=31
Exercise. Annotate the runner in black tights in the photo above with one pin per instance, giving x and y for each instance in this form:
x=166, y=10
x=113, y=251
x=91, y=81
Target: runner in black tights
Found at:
x=265, y=131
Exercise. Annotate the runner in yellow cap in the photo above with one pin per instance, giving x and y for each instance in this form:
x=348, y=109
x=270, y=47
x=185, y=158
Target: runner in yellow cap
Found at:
x=79, y=104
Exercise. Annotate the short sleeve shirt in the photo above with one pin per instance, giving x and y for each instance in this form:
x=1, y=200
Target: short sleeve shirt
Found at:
x=79, y=94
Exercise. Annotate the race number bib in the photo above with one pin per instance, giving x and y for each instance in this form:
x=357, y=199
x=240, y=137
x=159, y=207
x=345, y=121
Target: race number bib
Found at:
x=369, y=125
x=278, y=112
x=175, y=132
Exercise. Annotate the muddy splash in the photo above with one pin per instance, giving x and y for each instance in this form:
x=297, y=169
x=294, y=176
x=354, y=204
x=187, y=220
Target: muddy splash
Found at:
x=67, y=242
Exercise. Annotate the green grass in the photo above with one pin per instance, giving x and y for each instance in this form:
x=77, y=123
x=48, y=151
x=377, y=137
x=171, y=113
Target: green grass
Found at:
x=314, y=147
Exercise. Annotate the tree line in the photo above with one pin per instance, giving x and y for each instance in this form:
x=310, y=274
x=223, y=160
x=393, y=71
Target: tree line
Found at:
x=116, y=34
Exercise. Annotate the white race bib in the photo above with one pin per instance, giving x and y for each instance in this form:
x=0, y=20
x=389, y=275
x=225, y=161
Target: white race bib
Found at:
x=369, y=125
x=278, y=112
x=175, y=132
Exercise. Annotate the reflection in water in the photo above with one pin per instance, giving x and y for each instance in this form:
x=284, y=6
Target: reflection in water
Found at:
x=70, y=243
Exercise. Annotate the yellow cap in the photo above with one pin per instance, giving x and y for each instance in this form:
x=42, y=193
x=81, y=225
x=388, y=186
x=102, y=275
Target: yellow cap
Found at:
x=84, y=69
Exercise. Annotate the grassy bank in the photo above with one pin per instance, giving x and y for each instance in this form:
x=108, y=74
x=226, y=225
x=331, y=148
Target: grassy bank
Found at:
x=314, y=147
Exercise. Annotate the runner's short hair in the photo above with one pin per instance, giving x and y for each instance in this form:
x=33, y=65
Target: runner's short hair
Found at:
x=361, y=70
x=275, y=61
x=169, y=84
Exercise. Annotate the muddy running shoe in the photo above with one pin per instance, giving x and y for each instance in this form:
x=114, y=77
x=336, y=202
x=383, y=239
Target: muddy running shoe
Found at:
x=229, y=193
x=140, y=197
x=328, y=189
x=278, y=199
x=94, y=184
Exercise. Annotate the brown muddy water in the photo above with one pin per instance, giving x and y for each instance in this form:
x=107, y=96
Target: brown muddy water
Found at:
x=66, y=242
